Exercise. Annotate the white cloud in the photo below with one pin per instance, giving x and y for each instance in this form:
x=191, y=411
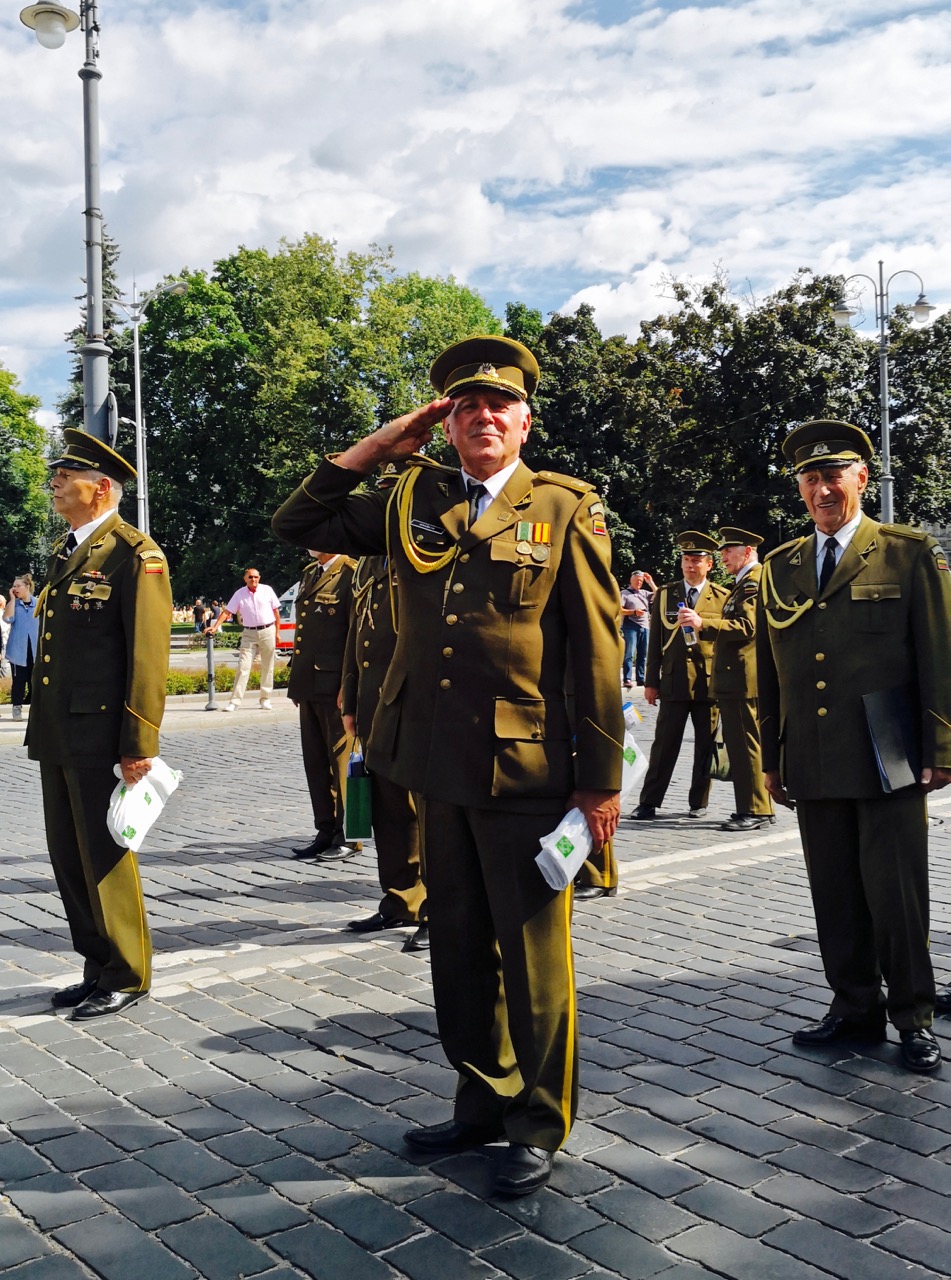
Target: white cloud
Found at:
x=505, y=141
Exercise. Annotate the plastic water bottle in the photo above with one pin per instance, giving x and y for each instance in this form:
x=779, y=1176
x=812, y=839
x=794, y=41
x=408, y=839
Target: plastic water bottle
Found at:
x=690, y=636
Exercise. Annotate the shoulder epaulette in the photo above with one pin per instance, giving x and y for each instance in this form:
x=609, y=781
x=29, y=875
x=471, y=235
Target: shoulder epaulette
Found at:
x=786, y=546
x=133, y=536
x=566, y=482
x=420, y=460
x=905, y=531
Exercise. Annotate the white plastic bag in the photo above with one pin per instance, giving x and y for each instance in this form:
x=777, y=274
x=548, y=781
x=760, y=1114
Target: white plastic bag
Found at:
x=132, y=810
x=564, y=850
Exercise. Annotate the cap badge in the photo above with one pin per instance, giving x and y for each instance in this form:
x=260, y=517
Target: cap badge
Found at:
x=820, y=448
x=489, y=369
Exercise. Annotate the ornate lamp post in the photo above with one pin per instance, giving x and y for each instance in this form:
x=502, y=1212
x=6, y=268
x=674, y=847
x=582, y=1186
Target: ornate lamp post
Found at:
x=135, y=310
x=51, y=22
x=842, y=314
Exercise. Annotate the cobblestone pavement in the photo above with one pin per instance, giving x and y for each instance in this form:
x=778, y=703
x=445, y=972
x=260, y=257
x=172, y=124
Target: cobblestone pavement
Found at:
x=247, y=1119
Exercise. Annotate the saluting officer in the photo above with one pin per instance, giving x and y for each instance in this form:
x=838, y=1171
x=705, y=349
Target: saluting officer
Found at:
x=733, y=681
x=502, y=572
x=857, y=608
x=678, y=675
x=370, y=647
x=322, y=610
x=98, y=700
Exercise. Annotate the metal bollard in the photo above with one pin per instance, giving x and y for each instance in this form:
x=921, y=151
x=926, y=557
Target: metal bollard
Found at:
x=210, y=654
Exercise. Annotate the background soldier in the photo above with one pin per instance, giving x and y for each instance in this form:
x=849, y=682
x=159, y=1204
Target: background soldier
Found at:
x=323, y=609
x=854, y=609
x=679, y=675
x=98, y=700
x=501, y=572
x=733, y=682
x=369, y=651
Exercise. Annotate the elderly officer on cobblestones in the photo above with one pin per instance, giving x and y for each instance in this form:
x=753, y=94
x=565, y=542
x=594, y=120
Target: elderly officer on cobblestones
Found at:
x=679, y=664
x=98, y=700
x=502, y=572
x=854, y=636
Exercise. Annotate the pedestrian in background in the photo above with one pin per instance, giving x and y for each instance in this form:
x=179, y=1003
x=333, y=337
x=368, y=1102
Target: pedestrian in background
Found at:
x=20, y=649
x=258, y=609
x=636, y=600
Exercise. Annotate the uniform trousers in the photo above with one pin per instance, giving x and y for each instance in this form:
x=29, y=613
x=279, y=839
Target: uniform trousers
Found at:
x=325, y=746
x=253, y=643
x=396, y=834
x=868, y=873
x=502, y=971
x=740, y=724
x=668, y=735
x=599, y=870
x=97, y=880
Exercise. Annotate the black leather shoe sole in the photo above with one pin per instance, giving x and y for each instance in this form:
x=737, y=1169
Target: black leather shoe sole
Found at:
x=644, y=813
x=103, y=1004
x=419, y=941
x=524, y=1170
x=593, y=891
x=747, y=822
x=920, y=1051
x=312, y=850
x=72, y=996
x=831, y=1030
x=376, y=923
x=336, y=853
x=451, y=1136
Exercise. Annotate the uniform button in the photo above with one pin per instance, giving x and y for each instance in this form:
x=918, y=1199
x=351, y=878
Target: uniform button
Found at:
x=103, y=707
x=365, y=665
x=447, y=653
x=464, y=559
x=47, y=636
x=822, y=604
x=820, y=684
x=366, y=644
x=54, y=591
x=823, y=711
x=46, y=679
x=445, y=684
x=820, y=657
x=296, y=652
x=375, y=605
x=451, y=619
x=46, y=657
x=458, y=586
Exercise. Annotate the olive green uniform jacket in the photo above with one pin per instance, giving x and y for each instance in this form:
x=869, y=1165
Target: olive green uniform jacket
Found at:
x=884, y=621
x=322, y=611
x=682, y=672
x=473, y=709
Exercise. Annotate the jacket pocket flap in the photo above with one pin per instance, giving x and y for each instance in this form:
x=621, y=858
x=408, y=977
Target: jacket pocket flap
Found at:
x=876, y=591
x=392, y=685
x=530, y=719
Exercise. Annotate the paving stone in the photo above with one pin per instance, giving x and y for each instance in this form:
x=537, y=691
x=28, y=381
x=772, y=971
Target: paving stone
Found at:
x=726, y=1253
x=433, y=1258
x=141, y=1195
x=653, y=1173
x=463, y=1219
x=646, y=1131
x=905, y=1133
x=325, y=1254
x=257, y=1108
x=217, y=1250
x=254, y=1209
x=54, y=1266
x=737, y=1210
x=848, y=1258
x=299, y=1179
x=80, y=1151
x=725, y=1164
x=188, y=1165
x=730, y=1131
x=932, y=1173
x=919, y=1242
x=653, y=1218
x=910, y=1202
x=19, y=1243
x=117, y=1250
x=663, y=1103
x=18, y=1161
x=838, y=1172
x=202, y=1123
x=365, y=1218
x=813, y=1200
x=529, y=1259
x=53, y=1200
x=621, y=1251
x=247, y=1147
x=319, y=1140
x=551, y=1215
x=816, y=1133
x=386, y=1175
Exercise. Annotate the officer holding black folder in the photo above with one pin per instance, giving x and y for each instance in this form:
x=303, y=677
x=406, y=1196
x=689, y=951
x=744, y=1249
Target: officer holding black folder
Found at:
x=856, y=610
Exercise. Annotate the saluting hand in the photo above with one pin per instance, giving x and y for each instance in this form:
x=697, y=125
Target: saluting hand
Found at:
x=397, y=439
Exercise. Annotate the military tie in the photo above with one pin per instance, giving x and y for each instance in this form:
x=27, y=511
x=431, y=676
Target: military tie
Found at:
x=70, y=546
x=828, y=564
x=691, y=597
x=476, y=493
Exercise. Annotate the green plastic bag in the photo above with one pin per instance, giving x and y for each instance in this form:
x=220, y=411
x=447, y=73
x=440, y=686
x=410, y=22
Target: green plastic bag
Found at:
x=358, y=808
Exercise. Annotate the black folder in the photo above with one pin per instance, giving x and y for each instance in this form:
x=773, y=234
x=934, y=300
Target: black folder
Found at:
x=895, y=729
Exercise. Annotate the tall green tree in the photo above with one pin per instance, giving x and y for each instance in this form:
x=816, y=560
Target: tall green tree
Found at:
x=23, y=498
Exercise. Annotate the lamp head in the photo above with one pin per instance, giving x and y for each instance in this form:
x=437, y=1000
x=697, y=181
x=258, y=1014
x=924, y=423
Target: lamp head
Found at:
x=922, y=308
x=842, y=313
x=50, y=22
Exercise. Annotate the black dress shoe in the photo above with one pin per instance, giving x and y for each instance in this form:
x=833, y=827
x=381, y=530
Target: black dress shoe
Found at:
x=70, y=997
x=832, y=1029
x=102, y=1004
x=376, y=922
x=319, y=844
x=746, y=821
x=337, y=852
x=451, y=1136
x=584, y=891
x=644, y=813
x=920, y=1050
x=942, y=1001
x=524, y=1170
x=419, y=941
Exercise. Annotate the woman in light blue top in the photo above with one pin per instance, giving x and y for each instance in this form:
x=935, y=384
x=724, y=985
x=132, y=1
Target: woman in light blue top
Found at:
x=21, y=645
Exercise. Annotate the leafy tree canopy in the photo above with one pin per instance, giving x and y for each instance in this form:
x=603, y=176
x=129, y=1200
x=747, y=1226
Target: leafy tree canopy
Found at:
x=23, y=501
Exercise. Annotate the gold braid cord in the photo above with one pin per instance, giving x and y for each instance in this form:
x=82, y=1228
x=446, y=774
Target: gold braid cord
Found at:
x=422, y=561
x=794, y=610
x=672, y=627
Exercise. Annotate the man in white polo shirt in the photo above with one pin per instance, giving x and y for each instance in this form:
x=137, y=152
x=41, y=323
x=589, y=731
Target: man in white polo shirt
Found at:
x=258, y=610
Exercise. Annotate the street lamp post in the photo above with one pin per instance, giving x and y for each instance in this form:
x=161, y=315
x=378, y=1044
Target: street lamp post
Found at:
x=135, y=310
x=51, y=22
x=842, y=314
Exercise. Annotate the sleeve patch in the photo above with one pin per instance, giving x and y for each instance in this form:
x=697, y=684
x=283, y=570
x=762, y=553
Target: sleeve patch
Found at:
x=153, y=566
x=598, y=526
x=940, y=559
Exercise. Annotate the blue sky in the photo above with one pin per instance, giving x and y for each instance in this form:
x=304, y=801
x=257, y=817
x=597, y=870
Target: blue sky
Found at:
x=540, y=150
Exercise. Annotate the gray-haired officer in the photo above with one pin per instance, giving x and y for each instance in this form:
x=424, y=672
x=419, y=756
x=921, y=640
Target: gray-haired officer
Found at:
x=857, y=609
x=504, y=584
x=98, y=701
x=678, y=675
